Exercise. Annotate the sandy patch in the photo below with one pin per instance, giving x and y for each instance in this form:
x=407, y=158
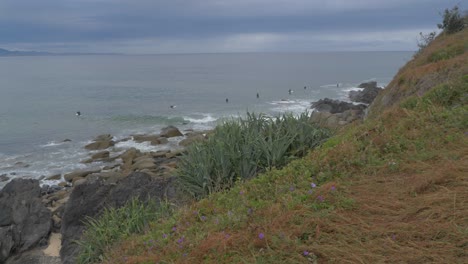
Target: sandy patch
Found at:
x=55, y=243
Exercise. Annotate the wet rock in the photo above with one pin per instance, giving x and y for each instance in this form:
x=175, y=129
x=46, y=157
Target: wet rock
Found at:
x=159, y=154
x=24, y=222
x=90, y=198
x=153, y=139
x=335, y=106
x=21, y=164
x=67, y=140
x=97, y=145
x=54, y=177
x=367, y=95
x=171, y=131
x=100, y=155
x=103, y=137
x=4, y=178
x=81, y=174
x=371, y=84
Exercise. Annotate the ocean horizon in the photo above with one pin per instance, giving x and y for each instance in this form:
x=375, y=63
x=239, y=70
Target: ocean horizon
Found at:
x=139, y=94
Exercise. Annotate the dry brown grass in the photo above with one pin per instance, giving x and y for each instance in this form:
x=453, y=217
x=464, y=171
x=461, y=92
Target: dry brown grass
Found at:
x=420, y=75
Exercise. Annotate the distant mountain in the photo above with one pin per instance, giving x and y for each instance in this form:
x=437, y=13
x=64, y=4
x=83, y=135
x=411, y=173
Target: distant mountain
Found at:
x=4, y=52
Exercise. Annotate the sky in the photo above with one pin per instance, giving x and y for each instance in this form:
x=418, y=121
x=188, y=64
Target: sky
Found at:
x=214, y=26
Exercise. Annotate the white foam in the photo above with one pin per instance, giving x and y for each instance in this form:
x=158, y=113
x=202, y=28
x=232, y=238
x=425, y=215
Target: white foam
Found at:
x=207, y=118
x=52, y=144
x=291, y=106
x=143, y=146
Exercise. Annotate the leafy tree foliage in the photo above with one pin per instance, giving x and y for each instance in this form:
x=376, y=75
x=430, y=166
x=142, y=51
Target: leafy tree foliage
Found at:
x=452, y=21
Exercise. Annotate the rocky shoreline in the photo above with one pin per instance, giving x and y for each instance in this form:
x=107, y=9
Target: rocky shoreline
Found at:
x=31, y=216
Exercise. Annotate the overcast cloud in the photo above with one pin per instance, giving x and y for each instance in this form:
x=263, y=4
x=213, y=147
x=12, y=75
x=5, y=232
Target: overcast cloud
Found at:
x=187, y=26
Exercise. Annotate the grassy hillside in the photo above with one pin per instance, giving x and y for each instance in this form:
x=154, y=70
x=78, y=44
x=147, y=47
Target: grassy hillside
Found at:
x=391, y=189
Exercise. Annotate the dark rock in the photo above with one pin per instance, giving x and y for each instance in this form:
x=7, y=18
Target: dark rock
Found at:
x=67, y=140
x=365, y=96
x=171, y=131
x=335, y=106
x=4, y=178
x=91, y=197
x=24, y=221
x=371, y=84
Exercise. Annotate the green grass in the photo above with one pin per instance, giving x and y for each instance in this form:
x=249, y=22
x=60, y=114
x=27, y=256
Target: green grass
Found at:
x=115, y=224
x=240, y=149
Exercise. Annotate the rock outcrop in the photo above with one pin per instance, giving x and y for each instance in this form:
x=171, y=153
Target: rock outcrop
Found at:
x=24, y=221
x=101, y=142
x=367, y=95
x=170, y=131
x=335, y=106
x=334, y=113
x=91, y=197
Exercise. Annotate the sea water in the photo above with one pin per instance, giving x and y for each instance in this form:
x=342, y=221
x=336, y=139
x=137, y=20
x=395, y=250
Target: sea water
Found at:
x=124, y=95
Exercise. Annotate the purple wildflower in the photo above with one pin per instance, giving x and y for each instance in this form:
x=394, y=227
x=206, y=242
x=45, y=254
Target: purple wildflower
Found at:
x=227, y=236
x=333, y=188
x=180, y=240
x=261, y=236
x=203, y=218
x=313, y=185
x=164, y=236
x=174, y=228
x=310, y=191
x=241, y=192
x=292, y=188
x=320, y=198
x=249, y=211
x=305, y=253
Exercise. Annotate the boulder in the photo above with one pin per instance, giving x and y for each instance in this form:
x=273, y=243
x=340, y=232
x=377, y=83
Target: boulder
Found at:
x=54, y=177
x=371, y=84
x=4, y=178
x=91, y=197
x=335, y=106
x=81, y=174
x=365, y=96
x=24, y=221
x=171, y=131
x=97, y=145
x=100, y=155
x=103, y=137
x=153, y=139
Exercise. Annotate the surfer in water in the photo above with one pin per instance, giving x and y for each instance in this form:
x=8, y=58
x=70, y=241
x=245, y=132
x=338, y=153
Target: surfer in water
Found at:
x=173, y=106
x=290, y=91
x=227, y=100
x=258, y=95
x=78, y=113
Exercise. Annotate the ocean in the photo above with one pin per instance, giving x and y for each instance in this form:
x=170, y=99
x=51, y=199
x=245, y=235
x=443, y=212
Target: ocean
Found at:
x=132, y=94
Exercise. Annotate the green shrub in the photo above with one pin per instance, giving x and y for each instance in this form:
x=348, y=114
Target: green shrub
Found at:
x=446, y=53
x=239, y=149
x=115, y=224
x=452, y=21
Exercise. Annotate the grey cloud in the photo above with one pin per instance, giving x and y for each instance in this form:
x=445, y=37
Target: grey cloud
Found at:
x=34, y=22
